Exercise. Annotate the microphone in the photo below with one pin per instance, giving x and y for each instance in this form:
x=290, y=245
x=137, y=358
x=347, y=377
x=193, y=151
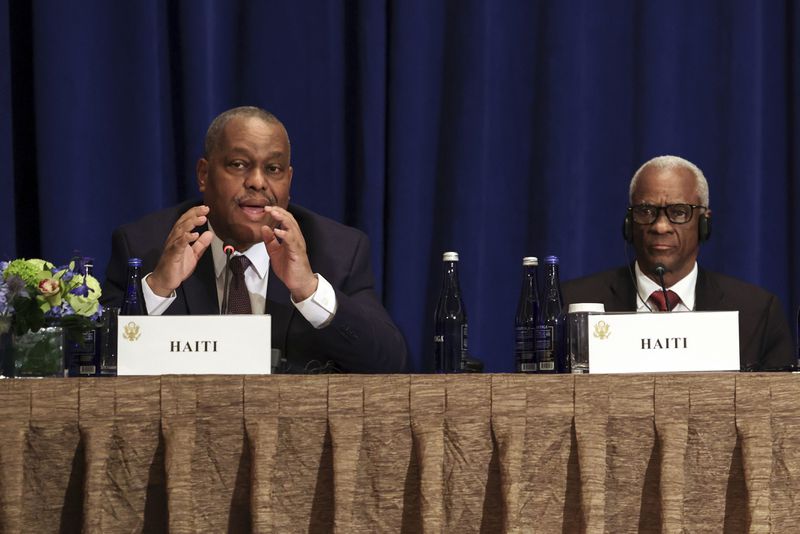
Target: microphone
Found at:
x=660, y=270
x=226, y=284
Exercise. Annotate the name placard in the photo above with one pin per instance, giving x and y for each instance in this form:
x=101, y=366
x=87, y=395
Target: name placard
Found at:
x=196, y=344
x=663, y=342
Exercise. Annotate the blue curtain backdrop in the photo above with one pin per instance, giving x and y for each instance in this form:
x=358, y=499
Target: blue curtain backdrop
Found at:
x=498, y=129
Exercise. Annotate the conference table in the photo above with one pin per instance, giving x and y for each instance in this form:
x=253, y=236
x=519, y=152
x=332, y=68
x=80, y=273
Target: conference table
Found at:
x=401, y=453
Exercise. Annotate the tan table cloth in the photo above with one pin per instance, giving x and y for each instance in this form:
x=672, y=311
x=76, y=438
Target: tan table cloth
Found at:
x=349, y=453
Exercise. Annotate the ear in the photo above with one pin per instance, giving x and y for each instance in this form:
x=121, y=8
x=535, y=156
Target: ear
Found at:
x=202, y=174
x=290, y=174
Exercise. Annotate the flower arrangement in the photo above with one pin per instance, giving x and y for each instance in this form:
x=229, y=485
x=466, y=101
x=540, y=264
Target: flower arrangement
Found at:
x=35, y=292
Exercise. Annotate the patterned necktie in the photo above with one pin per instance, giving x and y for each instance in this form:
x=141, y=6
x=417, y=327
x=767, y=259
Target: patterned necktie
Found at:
x=658, y=298
x=238, y=296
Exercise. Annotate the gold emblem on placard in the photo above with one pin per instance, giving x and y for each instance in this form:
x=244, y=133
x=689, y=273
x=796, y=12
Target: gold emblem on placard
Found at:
x=602, y=330
x=131, y=331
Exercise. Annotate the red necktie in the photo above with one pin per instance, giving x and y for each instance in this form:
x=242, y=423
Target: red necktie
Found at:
x=658, y=298
x=238, y=296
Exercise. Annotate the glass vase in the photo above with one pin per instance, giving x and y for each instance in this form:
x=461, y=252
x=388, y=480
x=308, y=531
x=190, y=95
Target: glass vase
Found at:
x=33, y=354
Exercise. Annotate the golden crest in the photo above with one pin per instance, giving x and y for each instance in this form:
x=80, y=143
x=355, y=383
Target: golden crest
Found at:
x=602, y=330
x=131, y=331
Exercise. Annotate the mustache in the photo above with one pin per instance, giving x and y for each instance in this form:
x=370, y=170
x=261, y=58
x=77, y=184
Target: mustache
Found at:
x=267, y=200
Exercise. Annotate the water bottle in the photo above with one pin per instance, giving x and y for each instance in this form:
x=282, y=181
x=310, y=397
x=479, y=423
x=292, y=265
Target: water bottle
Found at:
x=548, y=336
x=132, y=304
x=108, y=347
x=450, y=320
x=82, y=350
x=527, y=315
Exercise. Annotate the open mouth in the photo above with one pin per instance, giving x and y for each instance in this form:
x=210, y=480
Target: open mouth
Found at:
x=253, y=208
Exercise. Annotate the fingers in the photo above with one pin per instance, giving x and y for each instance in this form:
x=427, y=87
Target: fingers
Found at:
x=286, y=228
x=181, y=234
x=286, y=247
x=268, y=235
x=194, y=217
x=182, y=249
x=202, y=243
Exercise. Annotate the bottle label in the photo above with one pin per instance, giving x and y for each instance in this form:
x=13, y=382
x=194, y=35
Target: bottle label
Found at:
x=543, y=338
x=450, y=348
x=81, y=353
x=524, y=339
x=523, y=350
x=544, y=344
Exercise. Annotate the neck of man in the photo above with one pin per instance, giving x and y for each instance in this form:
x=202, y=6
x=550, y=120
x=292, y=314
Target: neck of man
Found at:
x=670, y=277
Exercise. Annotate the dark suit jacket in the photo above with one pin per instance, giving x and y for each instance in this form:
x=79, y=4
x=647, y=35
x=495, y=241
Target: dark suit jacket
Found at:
x=361, y=337
x=765, y=342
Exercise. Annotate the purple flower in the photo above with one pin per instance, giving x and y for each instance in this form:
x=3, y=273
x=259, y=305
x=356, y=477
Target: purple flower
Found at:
x=60, y=311
x=16, y=287
x=82, y=290
x=5, y=307
x=98, y=314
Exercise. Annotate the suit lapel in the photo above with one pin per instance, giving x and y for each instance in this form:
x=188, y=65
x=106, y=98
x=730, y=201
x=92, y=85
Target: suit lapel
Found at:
x=624, y=293
x=200, y=294
x=708, y=295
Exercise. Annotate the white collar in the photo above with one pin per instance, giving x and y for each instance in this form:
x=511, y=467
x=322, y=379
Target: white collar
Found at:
x=684, y=288
x=257, y=254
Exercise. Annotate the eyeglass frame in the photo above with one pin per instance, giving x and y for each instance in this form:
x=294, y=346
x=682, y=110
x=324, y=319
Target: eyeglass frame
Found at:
x=659, y=209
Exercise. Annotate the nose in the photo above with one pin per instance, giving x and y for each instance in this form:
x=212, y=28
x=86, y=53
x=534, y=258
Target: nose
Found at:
x=256, y=179
x=661, y=225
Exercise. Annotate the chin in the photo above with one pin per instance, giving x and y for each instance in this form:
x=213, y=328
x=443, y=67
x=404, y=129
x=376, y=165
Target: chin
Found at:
x=245, y=236
x=648, y=264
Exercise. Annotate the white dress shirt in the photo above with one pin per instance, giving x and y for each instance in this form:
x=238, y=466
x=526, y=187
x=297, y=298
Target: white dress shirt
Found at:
x=318, y=309
x=684, y=288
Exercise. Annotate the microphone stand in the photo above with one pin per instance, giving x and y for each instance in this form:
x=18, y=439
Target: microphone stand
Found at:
x=660, y=270
x=227, y=280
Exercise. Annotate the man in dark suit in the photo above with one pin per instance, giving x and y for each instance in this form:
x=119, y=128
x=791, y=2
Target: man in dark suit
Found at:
x=667, y=220
x=310, y=273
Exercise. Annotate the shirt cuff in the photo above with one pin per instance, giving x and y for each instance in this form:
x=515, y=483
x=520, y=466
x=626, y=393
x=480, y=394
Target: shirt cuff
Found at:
x=320, y=307
x=156, y=304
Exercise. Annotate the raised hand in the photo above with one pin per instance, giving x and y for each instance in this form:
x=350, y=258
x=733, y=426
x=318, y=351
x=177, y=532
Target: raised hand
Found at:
x=182, y=249
x=288, y=258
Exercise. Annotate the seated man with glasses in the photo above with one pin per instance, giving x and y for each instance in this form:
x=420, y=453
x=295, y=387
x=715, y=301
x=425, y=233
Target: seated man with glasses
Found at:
x=667, y=220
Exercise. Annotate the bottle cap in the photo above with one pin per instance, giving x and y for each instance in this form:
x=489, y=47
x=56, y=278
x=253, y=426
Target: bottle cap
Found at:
x=530, y=260
x=551, y=260
x=586, y=307
x=134, y=262
x=450, y=256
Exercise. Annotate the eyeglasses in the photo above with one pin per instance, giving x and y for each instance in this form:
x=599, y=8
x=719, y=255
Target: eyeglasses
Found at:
x=676, y=213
